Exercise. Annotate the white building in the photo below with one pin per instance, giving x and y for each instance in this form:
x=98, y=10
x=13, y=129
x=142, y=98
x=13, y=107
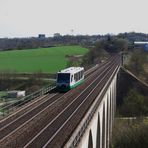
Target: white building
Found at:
x=141, y=44
x=16, y=94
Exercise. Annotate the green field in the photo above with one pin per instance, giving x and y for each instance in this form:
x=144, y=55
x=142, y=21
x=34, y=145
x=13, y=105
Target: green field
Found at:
x=47, y=60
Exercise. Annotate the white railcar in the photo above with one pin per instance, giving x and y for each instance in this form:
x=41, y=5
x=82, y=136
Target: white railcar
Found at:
x=70, y=78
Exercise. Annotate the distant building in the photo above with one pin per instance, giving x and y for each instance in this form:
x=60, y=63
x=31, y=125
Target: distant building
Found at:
x=15, y=94
x=57, y=35
x=141, y=44
x=41, y=36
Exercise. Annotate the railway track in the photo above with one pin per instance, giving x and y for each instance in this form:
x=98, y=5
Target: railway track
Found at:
x=22, y=110
x=37, y=101
x=68, y=119
x=43, y=114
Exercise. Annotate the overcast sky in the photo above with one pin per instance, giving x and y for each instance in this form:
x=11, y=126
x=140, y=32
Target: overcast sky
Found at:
x=26, y=18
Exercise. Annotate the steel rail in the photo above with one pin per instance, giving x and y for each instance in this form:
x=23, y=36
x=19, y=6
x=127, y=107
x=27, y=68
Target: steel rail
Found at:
x=13, y=131
x=28, y=121
x=92, y=93
x=84, y=101
x=100, y=68
x=21, y=111
x=79, y=131
x=70, y=104
x=11, y=117
x=9, y=127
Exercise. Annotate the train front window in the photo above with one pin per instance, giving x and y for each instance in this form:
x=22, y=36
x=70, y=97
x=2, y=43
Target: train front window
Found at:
x=63, y=77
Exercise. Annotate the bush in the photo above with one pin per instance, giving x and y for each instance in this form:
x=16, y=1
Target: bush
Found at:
x=134, y=104
x=137, y=60
x=130, y=134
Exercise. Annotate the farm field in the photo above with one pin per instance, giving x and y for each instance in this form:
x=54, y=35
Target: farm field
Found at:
x=46, y=60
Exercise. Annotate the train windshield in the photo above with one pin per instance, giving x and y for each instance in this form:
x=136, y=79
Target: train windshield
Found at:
x=63, y=77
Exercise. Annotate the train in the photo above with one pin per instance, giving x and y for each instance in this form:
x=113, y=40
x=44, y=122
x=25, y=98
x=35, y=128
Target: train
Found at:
x=69, y=78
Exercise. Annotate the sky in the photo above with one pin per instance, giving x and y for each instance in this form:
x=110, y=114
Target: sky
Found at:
x=28, y=18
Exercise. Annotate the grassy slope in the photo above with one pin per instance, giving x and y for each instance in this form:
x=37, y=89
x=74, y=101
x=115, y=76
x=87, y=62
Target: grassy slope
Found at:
x=41, y=59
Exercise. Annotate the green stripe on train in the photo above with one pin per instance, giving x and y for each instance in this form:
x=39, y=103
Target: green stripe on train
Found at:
x=76, y=84
x=71, y=87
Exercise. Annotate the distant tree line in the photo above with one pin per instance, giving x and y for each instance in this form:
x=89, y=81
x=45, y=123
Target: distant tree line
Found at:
x=133, y=36
x=29, y=43
x=85, y=40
